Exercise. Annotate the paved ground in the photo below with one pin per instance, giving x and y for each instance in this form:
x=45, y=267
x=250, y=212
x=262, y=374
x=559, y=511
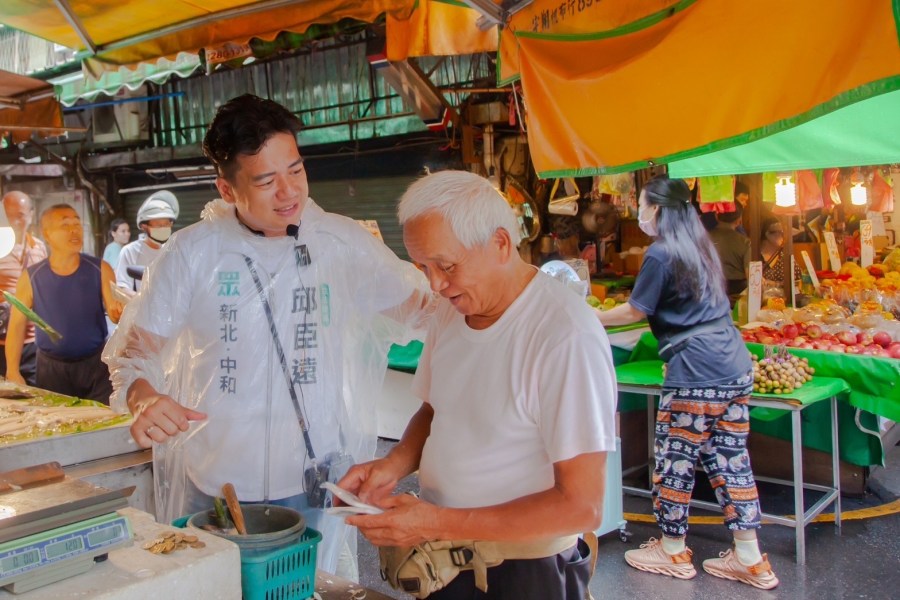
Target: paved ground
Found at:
x=860, y=561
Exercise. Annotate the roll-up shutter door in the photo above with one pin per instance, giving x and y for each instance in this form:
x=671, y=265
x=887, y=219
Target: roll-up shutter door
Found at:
x=371, y=198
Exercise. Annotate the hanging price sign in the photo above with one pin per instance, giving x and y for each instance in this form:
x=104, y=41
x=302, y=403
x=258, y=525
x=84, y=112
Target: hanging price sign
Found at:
x=833, y=254
x=754, y=291
x=867, y=246
x=809, y=269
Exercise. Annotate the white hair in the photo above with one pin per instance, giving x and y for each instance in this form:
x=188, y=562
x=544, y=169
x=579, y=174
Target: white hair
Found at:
x=468, y=202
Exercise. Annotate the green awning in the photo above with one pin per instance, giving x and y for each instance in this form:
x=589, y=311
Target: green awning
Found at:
x=110, y=82
x=864, y=133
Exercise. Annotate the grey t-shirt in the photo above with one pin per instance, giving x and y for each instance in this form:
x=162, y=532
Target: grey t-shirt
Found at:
x=707, y=359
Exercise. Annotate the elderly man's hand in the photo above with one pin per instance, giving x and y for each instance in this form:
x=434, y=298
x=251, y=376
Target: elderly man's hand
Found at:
x=371, y=481
x=157, y=417
x=406, y=521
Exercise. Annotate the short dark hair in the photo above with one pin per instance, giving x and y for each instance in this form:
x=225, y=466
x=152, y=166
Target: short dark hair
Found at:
x=115, y=224
x=242, y=126
x=741, y=188
x=764, y=227
x=52, y=209
x=733, y=216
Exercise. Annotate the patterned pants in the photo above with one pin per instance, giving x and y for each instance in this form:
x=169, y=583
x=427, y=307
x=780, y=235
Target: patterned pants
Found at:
x=712, y=424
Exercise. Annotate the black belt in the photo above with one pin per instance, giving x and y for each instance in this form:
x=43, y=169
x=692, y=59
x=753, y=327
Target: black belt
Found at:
x=669, y=345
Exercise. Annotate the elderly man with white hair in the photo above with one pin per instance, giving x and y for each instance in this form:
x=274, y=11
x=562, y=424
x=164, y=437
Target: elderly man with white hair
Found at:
x=155, y=219
x=518, y=402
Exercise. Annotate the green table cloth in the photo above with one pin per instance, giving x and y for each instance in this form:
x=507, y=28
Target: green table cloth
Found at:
x=874, y=389
x=649, y=373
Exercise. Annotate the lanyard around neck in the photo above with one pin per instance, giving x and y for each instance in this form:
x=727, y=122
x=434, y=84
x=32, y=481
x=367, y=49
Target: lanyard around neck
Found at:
x=280, y=351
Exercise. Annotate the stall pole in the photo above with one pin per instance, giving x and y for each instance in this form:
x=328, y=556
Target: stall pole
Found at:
x=788, y=252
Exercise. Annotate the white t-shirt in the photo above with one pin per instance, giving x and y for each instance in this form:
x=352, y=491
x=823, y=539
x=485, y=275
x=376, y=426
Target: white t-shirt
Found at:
x=535, y=388
x=137, y=253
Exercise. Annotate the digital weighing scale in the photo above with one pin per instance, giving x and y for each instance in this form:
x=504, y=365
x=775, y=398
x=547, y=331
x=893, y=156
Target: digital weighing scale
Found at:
x=58, y=530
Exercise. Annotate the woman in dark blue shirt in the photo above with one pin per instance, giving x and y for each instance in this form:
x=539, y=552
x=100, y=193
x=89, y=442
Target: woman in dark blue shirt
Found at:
x=703, y=413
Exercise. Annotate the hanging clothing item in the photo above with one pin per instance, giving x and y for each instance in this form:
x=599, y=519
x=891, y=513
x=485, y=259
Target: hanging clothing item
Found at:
x=716, y=189
x=831, y=179
x=882, y=194
x=809, y=193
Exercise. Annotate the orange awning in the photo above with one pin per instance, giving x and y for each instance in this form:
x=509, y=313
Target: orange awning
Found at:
x=565, y=17
x=28, y=105
x=438, y=29
x=712, y=75
x=132, y=31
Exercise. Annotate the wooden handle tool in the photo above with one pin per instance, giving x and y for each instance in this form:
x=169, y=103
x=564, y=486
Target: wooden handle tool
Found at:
x=234, y=508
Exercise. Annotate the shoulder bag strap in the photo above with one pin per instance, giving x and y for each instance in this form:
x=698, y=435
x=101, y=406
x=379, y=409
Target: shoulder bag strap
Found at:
x=280, y=351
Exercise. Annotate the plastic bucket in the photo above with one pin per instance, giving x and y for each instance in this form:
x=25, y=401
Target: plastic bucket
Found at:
x=269, y=527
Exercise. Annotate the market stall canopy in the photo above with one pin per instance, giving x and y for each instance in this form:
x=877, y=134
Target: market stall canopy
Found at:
x=125, y=32
x=704, y=76
x=27, y=105
x=864, y=133
x=86, y=85
x=438, y=28
x=553, y=17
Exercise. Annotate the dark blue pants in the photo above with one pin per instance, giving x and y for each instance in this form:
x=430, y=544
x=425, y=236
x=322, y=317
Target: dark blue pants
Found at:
x=27, y=362
x=86, y=377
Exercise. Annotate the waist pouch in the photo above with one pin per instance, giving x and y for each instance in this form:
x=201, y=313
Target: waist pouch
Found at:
x=670, y=345
x=426, y=568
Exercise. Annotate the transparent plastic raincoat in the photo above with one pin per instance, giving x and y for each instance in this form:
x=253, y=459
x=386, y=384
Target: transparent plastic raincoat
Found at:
x=198, y=332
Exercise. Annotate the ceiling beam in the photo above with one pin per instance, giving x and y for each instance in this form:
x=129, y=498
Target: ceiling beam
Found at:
x=491, y=14
x=66, y=9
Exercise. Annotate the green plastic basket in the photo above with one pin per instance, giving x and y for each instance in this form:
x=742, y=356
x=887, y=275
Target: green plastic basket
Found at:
x=288, y=573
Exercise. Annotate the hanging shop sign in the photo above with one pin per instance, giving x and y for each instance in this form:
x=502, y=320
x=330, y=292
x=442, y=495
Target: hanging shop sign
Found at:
x=226, y=52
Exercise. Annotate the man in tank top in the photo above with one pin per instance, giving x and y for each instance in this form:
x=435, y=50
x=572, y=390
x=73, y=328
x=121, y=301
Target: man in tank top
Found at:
x=72, y=292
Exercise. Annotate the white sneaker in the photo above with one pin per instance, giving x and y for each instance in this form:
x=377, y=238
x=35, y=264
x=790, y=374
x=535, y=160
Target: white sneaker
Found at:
x=727, y=566
x=652, y=558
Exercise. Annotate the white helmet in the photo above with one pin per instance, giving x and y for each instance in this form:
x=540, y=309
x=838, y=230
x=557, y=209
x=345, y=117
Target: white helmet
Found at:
x=160, y=205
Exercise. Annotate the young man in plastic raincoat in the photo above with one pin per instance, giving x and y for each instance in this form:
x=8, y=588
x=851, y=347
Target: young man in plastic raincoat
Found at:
x=259, y=340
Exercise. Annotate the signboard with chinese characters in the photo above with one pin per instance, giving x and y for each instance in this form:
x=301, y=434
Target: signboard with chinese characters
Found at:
x=754, y=292
x=867, y=245
x=833, y=255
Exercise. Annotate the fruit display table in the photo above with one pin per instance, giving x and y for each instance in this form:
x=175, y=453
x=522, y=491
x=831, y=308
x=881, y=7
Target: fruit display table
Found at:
x=645, y=377
x=874, y=392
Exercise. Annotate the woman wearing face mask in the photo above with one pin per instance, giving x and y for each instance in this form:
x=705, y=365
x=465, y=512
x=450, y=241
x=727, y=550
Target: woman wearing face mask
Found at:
x=703, y=412
x=155, y=219
x=771, y=249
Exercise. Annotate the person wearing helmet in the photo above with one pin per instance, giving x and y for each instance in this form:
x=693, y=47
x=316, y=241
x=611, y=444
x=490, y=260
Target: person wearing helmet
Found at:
x=155, y=219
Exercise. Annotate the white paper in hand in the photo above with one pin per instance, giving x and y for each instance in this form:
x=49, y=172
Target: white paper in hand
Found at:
x=355, y=506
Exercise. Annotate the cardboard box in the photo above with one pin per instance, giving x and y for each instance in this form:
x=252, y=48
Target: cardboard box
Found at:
x=633, y=263
x=598, y=290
